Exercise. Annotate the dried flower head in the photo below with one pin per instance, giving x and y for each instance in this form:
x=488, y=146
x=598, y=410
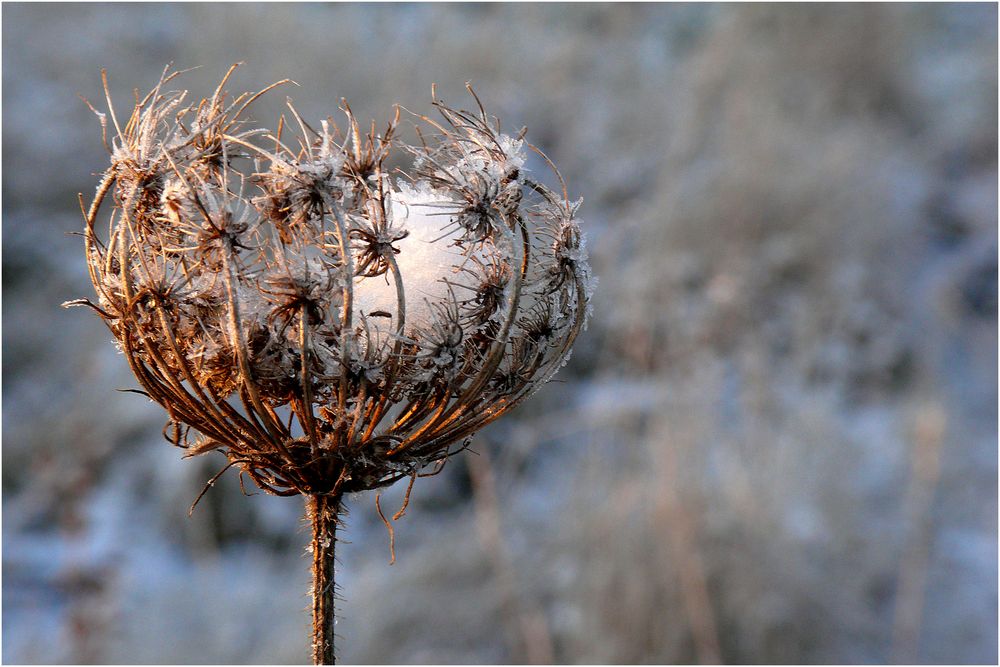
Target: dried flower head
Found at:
x=330, y=326
x=327, y=325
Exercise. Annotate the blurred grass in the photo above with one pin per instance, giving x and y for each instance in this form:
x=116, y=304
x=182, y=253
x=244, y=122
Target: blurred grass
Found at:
x=792, y=212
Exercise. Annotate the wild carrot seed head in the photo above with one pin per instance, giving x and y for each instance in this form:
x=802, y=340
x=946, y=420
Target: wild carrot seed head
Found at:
x=326, y=324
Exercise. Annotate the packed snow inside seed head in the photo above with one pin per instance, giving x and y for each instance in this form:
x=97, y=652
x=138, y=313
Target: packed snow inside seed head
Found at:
x=428, y=259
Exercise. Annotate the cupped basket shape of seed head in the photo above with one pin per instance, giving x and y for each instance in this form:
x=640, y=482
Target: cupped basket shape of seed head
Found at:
x=328, y=324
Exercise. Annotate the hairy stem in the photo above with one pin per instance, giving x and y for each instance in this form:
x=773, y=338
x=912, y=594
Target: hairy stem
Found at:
x=322, y=512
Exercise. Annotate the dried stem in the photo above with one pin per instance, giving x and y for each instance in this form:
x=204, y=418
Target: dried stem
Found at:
x=322, y=512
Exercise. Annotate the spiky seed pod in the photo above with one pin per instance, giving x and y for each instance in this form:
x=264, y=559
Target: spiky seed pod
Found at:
x=329, y=326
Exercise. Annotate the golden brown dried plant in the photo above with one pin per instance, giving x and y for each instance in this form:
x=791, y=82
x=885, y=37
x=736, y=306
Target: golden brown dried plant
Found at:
x=327, y=325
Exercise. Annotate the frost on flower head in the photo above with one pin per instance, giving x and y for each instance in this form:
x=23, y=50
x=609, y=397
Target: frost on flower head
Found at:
x=327, y=324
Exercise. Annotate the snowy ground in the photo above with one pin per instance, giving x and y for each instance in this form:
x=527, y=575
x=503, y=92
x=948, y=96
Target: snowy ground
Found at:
x=777, y=442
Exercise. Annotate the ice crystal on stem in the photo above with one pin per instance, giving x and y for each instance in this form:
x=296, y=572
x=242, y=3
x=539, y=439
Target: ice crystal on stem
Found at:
x=327, y=325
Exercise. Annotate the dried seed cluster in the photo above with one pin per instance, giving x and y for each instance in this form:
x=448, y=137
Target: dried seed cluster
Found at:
x=329, y=324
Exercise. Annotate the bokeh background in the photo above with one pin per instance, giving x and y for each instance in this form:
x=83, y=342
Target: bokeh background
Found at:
x=777, y=441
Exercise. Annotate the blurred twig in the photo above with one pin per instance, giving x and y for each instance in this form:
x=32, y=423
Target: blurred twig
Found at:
x=532, y=625
x=928, y=436
x=670, y=513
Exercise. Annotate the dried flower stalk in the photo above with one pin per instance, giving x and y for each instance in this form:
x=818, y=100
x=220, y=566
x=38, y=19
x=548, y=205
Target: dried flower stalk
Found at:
x=327, y=325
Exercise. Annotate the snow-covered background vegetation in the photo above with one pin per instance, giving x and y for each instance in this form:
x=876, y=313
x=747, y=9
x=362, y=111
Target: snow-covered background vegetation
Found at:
x=776, y=442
